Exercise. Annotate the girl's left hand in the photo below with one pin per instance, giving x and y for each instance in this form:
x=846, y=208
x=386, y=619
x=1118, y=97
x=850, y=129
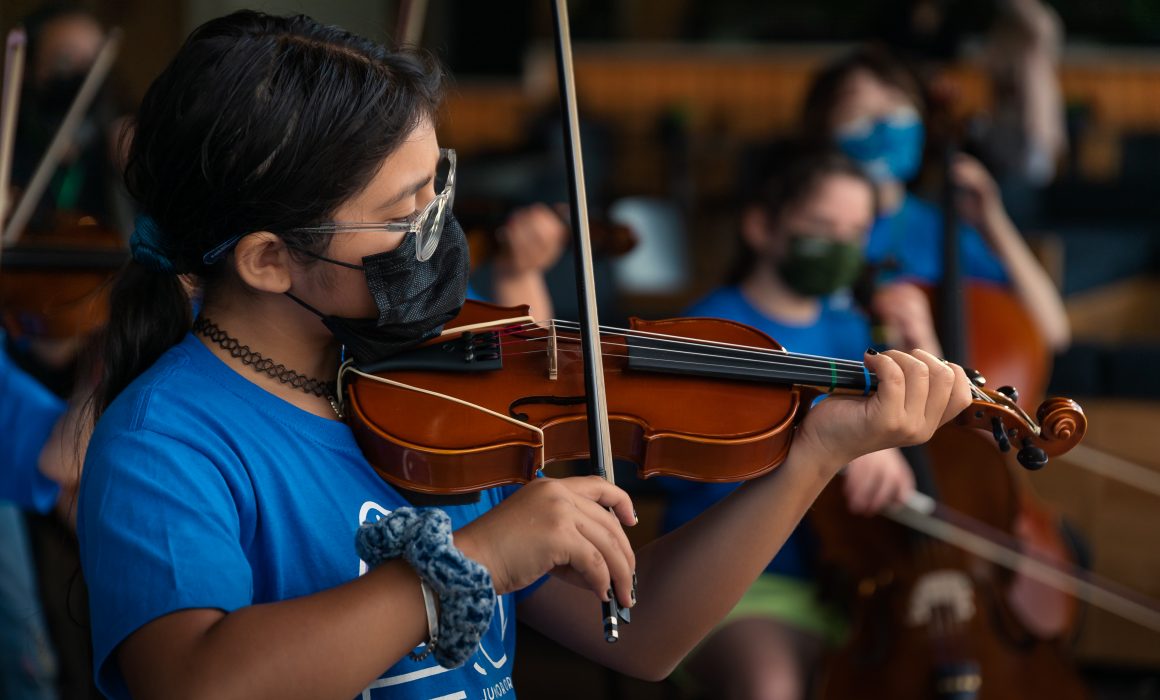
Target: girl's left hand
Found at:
x=877, y=480
x=917, y=392
x=978, y=198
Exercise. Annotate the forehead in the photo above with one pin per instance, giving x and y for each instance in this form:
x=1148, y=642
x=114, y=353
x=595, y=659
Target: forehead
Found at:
x=843, y=201
x=408, y=165
x=864, y=93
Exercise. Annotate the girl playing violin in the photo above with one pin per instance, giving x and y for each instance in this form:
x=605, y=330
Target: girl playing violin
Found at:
x=870, y=106
x=293, y=170
x=802, y=248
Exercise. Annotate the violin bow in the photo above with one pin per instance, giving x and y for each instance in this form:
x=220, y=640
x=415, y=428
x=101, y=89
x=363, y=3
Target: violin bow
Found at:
x=61, y=140
x=599, y=435
x=9, y=106
x=409, y=27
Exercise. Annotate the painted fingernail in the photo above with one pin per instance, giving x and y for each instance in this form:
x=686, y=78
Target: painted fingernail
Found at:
x=871, y=351
x=635, y=517
x=610, y=594
x=634, y=588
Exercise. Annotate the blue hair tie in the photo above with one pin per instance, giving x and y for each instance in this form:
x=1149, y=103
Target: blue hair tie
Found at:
x=145, y=245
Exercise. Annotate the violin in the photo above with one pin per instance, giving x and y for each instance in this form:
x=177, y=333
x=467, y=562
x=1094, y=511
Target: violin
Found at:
x=497, y=397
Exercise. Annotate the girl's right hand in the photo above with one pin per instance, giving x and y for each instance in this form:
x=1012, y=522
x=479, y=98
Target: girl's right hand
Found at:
x=557, y=526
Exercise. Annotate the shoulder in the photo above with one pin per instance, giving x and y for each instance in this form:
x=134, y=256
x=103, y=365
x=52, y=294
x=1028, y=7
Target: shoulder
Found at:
x=724, y=301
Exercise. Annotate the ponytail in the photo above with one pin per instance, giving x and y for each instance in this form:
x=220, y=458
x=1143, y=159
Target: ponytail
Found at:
x=151, y=313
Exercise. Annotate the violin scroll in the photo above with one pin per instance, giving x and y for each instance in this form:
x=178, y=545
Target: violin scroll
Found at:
x=1059, y=425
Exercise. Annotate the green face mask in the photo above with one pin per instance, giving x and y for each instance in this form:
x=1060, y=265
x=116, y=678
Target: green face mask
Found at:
x=816, y=266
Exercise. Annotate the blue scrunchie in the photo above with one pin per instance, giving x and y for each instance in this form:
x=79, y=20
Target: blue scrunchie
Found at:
x=146, y=248
x=464, y=588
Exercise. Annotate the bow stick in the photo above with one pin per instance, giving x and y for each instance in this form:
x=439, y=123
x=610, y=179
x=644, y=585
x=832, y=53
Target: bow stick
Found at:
x=599, y=435
x=61, y=140
x=9, y=105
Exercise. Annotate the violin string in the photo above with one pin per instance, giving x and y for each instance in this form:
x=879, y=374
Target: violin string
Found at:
x=822, y=374
x=681, y=340
x=823, y=379
x=850, y=371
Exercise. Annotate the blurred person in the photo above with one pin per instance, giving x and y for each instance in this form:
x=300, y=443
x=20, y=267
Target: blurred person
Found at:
x=870, y=106
x=28, y=414
x=531, y=241
x=802, y=244
x=63, y=42
x=1025, y=135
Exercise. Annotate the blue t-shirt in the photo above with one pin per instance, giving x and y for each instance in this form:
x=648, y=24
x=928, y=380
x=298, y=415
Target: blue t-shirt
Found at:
x=912, y=238
x=202, y=490
x=28, y=411
x=839, y=331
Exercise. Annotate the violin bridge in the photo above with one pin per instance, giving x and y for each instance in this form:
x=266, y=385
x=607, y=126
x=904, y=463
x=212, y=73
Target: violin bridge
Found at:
x=553, y=364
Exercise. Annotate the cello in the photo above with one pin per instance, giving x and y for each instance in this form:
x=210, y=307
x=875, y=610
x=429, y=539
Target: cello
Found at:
x=929, y=619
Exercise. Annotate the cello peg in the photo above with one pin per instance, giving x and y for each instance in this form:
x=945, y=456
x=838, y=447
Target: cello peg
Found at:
x=1031, y=457
x=1010, y=392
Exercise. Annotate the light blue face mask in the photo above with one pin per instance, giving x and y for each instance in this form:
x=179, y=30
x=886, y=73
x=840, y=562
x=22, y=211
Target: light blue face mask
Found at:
x=889, y=148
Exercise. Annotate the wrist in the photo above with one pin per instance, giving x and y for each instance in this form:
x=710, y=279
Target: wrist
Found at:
x=822, y=460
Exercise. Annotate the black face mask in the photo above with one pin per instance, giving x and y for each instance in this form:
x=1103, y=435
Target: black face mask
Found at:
x=414, y=298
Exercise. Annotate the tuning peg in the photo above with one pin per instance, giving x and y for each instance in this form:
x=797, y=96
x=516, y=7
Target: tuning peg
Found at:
x=1031, y=457
x=1010, y=392
x=976, y=377
x=1000, y=434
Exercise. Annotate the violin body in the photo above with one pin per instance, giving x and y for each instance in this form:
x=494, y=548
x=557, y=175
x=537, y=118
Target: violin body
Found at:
x=929, y=620
x=681, y=425
x=496, y=397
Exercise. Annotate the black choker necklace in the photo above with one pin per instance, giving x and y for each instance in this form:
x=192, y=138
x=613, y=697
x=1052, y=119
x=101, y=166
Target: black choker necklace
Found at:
x=282, y=373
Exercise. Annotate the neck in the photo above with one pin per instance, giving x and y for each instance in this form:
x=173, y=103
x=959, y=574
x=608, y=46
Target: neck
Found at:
x=890, y=196
x=770, y=295
x=284, y=333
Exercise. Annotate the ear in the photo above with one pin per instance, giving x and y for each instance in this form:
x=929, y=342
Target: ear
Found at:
x=755, y=230
x=263, y=262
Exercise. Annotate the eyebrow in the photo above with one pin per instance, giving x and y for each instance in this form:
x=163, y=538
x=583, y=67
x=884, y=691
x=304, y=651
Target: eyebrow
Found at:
x=408, y=191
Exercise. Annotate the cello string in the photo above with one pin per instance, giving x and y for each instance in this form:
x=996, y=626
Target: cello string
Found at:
x=919, y=511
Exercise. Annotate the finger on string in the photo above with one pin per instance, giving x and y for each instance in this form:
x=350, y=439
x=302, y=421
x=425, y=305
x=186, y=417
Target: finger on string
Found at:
x=891, y=381
x=962, y=391
x=917, y=379
x=940, y=384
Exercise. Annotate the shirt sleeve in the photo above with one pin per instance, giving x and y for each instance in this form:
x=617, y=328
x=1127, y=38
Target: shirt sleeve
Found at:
x=979, y=262
x=160, y=531
x=28, y=412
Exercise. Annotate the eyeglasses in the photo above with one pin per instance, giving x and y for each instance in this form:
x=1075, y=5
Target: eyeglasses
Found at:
x=426, y=225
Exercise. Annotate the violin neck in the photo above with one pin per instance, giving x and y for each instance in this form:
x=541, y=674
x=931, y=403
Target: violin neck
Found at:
x=717, y=361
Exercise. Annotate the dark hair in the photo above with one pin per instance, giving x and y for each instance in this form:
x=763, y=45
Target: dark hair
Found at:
x=826, y=89
x=788, y=182
x=258, y=123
